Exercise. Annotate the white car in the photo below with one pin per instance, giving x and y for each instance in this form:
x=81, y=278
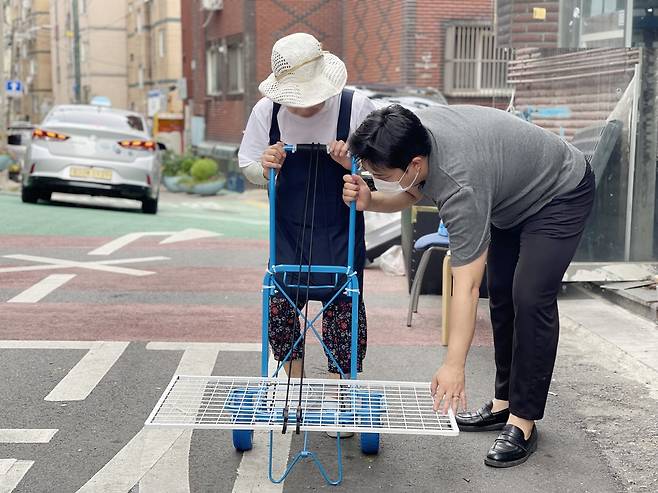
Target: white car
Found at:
x=93, y=150
x=18, y=138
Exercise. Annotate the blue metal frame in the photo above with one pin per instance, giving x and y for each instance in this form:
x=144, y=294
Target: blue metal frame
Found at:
x=271, y=286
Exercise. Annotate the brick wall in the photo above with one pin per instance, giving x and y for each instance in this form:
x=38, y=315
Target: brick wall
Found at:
x=432, y=21
x=393, y=42
x=374, y=40
x=402, y=42
x=194, y=56
x=275, y=19
x=225, y=115
x=516, y=27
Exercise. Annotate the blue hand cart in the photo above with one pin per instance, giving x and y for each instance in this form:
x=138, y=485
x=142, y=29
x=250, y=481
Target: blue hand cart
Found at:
x=242, y=439
x=246, y=404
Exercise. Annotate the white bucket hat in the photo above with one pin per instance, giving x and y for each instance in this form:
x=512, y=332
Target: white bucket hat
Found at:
x=303, y=74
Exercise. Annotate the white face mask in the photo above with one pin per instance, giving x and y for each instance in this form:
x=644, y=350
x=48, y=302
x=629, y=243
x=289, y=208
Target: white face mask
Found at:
x=393, y=187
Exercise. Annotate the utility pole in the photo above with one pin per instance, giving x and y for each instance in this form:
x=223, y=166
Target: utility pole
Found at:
x=644, y=190
x=76, y=51
x=3, y=95
x=12, y=58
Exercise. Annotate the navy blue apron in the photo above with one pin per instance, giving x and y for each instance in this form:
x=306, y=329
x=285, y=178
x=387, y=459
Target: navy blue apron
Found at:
x=331, y=221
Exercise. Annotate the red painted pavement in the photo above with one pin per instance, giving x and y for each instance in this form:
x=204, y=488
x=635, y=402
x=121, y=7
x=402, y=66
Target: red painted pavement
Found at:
x=185, y=322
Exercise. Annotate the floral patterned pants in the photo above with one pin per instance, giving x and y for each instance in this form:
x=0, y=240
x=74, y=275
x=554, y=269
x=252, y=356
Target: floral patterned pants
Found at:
x=336, y=332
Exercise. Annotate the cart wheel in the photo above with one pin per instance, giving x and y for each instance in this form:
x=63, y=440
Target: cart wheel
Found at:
x=243, y=440
x=370, y=443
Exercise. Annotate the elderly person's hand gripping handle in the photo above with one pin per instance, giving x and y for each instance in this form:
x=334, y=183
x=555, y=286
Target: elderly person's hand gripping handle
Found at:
x=273, y=157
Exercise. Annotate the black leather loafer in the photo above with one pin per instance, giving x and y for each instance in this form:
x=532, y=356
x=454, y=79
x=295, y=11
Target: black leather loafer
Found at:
x=511, y=448
x=482, y=419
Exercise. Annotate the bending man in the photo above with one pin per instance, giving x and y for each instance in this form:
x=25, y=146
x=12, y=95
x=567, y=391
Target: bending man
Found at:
x=513, y=196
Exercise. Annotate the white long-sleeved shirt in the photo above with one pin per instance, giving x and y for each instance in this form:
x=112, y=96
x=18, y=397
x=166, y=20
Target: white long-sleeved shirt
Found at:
x=295, y=129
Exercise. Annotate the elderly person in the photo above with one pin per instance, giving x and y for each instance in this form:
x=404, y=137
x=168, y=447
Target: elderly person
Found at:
x=305, y=102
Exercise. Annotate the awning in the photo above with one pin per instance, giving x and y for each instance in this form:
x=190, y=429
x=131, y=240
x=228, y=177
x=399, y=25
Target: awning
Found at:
x=218, y=150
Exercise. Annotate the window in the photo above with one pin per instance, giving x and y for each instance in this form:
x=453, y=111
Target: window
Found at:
x=140, y=22
x=475, y=66
x=213, y=70
x=83, y=6
x=595, y=23
x=235, y=69
x=601, y=7
x=140, y=77
x=161, y=43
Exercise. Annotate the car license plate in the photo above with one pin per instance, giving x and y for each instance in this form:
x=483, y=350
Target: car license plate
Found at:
x=93, y=173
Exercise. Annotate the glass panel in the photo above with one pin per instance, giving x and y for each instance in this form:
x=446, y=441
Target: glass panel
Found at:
x=578, y=94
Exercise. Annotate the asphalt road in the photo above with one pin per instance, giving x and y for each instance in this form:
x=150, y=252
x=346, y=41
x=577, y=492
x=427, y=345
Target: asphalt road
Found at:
x=86, y=354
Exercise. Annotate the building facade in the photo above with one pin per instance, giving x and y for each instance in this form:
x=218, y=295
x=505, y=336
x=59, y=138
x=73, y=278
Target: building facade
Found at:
x=154, y=56
x=103, y=51
x=439, y=44
x=29, y=59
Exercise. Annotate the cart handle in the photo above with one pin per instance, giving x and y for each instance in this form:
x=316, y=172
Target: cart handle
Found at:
x=272, y=193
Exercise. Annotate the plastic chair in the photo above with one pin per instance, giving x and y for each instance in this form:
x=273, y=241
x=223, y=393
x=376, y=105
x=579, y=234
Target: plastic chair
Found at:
x=430, y=243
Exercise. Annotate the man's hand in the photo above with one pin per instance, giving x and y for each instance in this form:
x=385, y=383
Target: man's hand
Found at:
x=272, y=157
x=448, y=388
x=355, y=189
x=338, y=150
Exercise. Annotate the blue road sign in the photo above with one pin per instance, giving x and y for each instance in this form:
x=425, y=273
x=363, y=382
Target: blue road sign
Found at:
x=13, y=87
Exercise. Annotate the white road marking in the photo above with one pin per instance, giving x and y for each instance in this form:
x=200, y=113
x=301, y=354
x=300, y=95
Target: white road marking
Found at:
x=133, y=461
x=219, y=346
x=84, y=376
x=137, y=461
x=120, y=242
x=5, y=465
x=14, y=475
x=49, y=344
x=252, y=471
x=173, y=237
x=104, y=266
x=42, y=289
x=90, y=370
x=206, y=217
x=171, y=472
x=26, y=435
x=189, y=234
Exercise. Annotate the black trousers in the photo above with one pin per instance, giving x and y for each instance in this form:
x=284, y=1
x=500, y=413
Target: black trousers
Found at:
x=525, y=266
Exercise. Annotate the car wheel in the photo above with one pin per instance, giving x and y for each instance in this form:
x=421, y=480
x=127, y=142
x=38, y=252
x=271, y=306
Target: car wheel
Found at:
x=150, y=206
x=29, y=196
x=46, y=196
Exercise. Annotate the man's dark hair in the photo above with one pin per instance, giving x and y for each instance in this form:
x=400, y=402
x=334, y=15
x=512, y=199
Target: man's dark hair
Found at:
x=390, y=137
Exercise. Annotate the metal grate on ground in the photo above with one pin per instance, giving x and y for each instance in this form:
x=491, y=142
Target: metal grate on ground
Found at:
x=255, y=403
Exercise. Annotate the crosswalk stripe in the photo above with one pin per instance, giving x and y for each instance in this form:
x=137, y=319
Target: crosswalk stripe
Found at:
x=138, y=458
x=26, y=435
x=90, y=370
x=14, y=475
x=252, y=475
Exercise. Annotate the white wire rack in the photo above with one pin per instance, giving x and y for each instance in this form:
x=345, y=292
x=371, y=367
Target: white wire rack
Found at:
x=254, y=403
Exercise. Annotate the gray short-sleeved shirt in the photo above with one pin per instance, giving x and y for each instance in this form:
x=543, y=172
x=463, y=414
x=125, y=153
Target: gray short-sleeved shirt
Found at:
x=487, y=167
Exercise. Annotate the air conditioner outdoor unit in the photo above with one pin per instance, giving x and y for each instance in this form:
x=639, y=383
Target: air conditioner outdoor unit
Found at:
x=213, y=4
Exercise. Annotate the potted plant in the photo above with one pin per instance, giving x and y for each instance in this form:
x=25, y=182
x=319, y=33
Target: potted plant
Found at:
x=171, y=169
x=185, y=181
x=207, y=179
